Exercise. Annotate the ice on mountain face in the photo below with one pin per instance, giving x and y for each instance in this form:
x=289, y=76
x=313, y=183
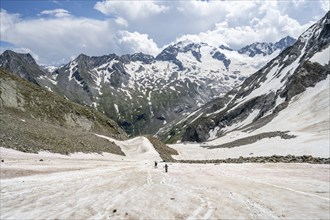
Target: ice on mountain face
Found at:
x=172, y=87
x=213, y=133
x=49, y=89
x=196, y=118
x=322, y=57
x=94, y=104
x=101, y=74
x=72, y=68
x=117, y=109
x=51, y=79
x=50, y=69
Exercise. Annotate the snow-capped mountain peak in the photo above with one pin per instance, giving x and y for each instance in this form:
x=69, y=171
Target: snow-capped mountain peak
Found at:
x=142, y=92
x=268, y=92
x=264, y=49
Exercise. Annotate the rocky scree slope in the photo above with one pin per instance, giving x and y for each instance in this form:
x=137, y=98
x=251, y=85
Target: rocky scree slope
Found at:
x=262, y=96
x=33, y=119
x=142, y=93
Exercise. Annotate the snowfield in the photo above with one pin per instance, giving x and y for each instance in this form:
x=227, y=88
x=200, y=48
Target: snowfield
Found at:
x=311, y=107
x=92, y=186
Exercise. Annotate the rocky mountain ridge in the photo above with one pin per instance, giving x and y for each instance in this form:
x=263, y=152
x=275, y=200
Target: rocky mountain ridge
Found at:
x=142, y=93
x=33, y=119
x=255, y=106
x=265, y=49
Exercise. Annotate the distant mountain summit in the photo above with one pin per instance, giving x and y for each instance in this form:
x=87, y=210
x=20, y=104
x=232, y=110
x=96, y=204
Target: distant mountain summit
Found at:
x=21, y=64
x=141, y=92
x=274, y=100
x=265, y=49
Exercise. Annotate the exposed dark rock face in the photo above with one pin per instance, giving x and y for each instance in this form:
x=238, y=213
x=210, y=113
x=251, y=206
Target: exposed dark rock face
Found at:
x=169, y=54
x=221, y=57
x=144, y=58
x=199, y=133
x=284, y=43
x=22, y=65
x=307, y=76
x=225, y=48
x=118, y=76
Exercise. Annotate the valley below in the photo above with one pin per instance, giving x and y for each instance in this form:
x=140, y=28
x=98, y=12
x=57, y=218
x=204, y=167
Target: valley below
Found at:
x=108, y=186
x=247, y=131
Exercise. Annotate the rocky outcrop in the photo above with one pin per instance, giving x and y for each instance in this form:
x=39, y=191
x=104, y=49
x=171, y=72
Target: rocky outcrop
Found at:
x=33, y=119
x=266, y=159
x=165, y=152
x=22, y=65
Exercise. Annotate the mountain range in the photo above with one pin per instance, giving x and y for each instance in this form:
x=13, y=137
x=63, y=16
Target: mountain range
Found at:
x=288, y=99
x=142, y=93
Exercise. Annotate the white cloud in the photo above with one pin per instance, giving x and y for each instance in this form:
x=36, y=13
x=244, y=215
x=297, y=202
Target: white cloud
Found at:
x=172, y=19
x=26, y=50
x=7, y=21
x=137, y=42
x=130, y=9
x=59, y=12
x=56, y=39
x=144, y=26
x=247, y=23
x=325, y=5
x=121, y=21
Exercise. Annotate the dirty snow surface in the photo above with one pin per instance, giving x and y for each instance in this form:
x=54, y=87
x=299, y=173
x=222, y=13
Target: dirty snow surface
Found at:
x=91, y=186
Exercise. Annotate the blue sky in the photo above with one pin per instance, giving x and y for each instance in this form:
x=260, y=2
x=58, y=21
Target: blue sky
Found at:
x=29, y=9
x=56, y=31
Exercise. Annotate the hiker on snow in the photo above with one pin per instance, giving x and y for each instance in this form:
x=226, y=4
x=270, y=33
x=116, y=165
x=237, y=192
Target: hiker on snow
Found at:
x=155, y=164
x=166, y=166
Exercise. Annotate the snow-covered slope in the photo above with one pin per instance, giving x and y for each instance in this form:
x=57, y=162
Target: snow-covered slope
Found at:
x=103, y=187
x=138, y=148
x=143, y=93
x=306, y=117
x=288, y=97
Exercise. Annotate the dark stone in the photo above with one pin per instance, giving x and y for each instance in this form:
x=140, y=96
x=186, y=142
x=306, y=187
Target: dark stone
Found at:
x=142, y=116
x=161, y=117
x=221, y=57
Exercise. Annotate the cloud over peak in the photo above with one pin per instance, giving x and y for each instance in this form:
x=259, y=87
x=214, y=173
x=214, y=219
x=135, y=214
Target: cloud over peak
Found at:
x=59, y=12
x=146, y=26
x=137, y=42
x=130, y=9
